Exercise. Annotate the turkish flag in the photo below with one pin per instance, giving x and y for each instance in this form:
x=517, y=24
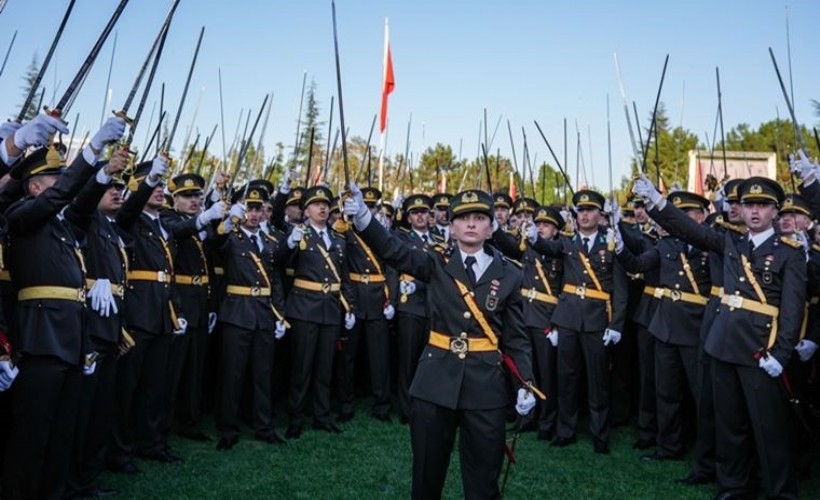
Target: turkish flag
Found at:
x=389, y=82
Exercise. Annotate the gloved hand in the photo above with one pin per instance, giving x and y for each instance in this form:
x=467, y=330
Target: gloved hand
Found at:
x=532, y=234
x=552, y=336
x=619, y=240
x=802, y=167
x=237, y=212
x=102, y=300
x=159, y=167
x=389, y=312
x=296, y=235
x=720, y=197
x=350, y=321
x=8, y=373
x=611, y=336
x=211, y=322
x=38, y=131
x=495, y=225
x=616, y=215
x=644, y=189
x=805, y=349
x=354, y=206
x=280, y=330
x=525, y=402
x=407, y=287
x=216, y=212
x=90, y=365
x=284, y=186
x=183, y=325
x=111, y=131
x=771, y=365
x=8, y=128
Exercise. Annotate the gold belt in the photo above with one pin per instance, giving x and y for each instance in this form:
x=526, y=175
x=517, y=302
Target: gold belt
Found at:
x=533, y=294
x=314, y=286
x=676, y=295
x=367, y=278
x=585, y=292
x=248, y=291
x=5, y=275
x=738, y=302
x=462, y=344
x=158, y=276
x=182, y=279
x=117, y=289
x=649, y=290
x=716, y=291
x=52, y=292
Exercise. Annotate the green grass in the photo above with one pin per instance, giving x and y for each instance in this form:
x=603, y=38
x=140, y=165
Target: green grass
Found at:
x=372, y=460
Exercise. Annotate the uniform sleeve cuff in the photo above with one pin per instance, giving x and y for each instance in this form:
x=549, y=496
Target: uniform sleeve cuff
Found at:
x=89, y=156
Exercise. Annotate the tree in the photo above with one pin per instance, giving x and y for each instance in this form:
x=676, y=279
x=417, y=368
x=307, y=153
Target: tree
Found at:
x=29, y=78
x=310, y=121
x=667, y=151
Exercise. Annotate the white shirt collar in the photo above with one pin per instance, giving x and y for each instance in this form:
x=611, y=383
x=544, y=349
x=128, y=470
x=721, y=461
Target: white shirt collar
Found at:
x=483, y=261
x=421, y=234
x=324, y=232
x=759, y=238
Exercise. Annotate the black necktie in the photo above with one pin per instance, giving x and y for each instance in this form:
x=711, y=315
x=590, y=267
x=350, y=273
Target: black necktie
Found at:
x=586, y=243
x=468, y=267
x=424, y=238
x=751, y=247
x=255, y=242
x=322, y=238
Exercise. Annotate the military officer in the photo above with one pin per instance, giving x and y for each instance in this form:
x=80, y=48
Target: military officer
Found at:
x=476, y=312
x=502, y=203
x=441, y=215
x=751, y=338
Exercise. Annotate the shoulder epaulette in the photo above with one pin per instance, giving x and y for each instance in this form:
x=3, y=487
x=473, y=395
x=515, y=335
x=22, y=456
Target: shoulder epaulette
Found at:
x=568, y=234
x=512, y=261
x=815, y=247
x=732, y=227
x=791, y=242
x=404, y=230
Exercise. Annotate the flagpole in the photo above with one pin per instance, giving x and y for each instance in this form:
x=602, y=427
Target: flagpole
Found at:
x=384, y=124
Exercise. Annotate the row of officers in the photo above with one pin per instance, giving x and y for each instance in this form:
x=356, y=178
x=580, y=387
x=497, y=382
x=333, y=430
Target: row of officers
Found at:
x=110, y=292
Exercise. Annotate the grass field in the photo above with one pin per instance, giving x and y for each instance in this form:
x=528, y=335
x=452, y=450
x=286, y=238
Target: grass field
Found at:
x=371, y=459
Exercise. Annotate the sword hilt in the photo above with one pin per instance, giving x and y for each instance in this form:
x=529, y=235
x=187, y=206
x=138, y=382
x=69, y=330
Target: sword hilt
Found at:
x=122, y=114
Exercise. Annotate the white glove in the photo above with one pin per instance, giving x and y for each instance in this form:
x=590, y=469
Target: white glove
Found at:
x=552, y=336
x=611, y=336
x=389, y=312
x=619, y=240
x=616, y=215
x=8, y=128
x=525, y=402
x=38, y=131
x=296, y=235
x=8, y=373
x=280, y=330
x=407, y=287
x=111, y=131
x=183, y=325
x=102, y=300
x=355, y=208
x=802, y=167
x=211, y=322
x=350, y=321
x=805, y=349
x=216, y=212
x=89, y=369
x=720, y=197
x=159, y=167
x=771, y=365
x=532, y=233
x=284, y=186
x=495, y=225
x=644, y=188
x=237, y=211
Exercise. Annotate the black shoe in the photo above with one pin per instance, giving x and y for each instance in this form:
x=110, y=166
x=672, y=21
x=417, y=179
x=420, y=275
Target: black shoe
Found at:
x=227, y=442
x=129, y=468
x=697, y=478
x=546, y=435
x=562, y=442
x=327, y=427
x=272, y=437
x=163, y=456
x=657, y=456
x=643, y=444
x=383, y=417
x=601, y=447
x=345, y=417
x=293, y=432
x=194, y=435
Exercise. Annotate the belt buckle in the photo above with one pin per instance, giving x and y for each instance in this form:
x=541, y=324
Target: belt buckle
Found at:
x=459, y=346
x=658, y=293
x=162, y=277
x=531, y=294
x=366, y=279
x=256, y=291
x=735, y=302
x=196, y=280
x=581, y=291
x=81, y=294
x=325, y=287
x=119, y=290
x=675, y=295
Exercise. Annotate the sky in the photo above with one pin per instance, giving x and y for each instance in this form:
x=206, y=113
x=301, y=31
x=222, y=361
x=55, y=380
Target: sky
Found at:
x=522, y=60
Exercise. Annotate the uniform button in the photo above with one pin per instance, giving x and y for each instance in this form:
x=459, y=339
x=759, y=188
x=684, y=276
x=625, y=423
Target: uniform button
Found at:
x=467, y=315
x=680, y=273
x=429, y=355
x=742, y=279
x=461, y=355
x=677, y=286
x=463, y=335
x=585, y=272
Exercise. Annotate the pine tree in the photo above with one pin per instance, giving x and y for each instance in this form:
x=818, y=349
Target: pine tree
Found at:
x=29, y=79
x=310, y=121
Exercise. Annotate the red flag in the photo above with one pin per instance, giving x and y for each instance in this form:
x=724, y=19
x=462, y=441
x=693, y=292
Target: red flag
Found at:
x=389, y=82
x=699, y=179
x=513, y=191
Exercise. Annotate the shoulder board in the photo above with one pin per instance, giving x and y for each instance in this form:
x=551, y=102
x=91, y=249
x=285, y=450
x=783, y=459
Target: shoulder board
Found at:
x=437, y=237
x=568, y=234
x=404, y=230
x=792, y=243
x=815, y=247
x=512, y=261
x=440, y=248
x=732, y=227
